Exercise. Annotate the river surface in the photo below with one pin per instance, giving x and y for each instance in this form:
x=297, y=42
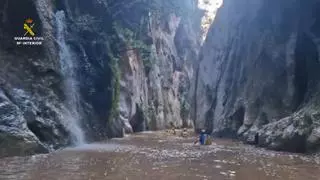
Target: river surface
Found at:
x=160, y=156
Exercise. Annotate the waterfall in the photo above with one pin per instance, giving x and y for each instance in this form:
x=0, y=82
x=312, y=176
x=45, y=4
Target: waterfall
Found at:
x=68, y=67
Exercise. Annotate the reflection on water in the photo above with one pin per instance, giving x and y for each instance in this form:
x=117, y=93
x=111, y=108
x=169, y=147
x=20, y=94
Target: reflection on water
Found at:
x=161, y=157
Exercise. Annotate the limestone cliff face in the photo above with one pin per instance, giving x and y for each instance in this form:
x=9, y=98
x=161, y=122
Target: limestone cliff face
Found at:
x=131, y=59
x=154, y=84
x=258, y=74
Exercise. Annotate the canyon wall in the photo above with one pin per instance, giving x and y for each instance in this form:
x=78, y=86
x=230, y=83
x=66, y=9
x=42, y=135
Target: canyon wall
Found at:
x=257, y=78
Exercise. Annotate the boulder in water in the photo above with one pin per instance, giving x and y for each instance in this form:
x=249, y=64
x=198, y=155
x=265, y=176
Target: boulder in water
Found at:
x=287, y=134
x=15, y=137
x=313, y=140
x=17, y=142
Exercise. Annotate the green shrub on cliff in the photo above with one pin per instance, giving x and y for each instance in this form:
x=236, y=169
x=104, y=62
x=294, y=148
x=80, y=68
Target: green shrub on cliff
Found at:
x=114, y=112
x=133, y=43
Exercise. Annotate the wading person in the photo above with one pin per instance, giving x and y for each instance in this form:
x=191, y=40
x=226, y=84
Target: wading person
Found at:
x=173, y=128
x=184, y=132
x=208, y=140
x=202, y=137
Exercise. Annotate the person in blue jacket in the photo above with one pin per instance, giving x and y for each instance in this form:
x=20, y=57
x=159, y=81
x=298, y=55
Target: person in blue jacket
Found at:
x=202, y=137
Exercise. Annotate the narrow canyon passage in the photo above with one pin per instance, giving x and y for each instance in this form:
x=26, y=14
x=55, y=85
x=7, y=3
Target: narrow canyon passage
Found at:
x=76, y=77
x=158, y=155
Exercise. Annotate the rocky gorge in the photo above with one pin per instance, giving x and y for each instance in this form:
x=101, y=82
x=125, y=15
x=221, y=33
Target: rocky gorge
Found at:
x=257, y=77
x=110, y=67
x=105, y=68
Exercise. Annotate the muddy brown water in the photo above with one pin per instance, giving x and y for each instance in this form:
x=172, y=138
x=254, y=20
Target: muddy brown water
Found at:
x=159, y=156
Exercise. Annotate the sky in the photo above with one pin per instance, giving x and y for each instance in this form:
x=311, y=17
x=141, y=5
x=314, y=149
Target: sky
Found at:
x=210, y=5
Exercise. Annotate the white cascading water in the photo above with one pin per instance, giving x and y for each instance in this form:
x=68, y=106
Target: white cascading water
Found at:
x=68, y=65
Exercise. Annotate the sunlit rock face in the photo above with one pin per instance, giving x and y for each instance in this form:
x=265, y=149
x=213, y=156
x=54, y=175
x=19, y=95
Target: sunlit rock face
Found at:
x=154, y=89
x=258, y=76
x=210, y=8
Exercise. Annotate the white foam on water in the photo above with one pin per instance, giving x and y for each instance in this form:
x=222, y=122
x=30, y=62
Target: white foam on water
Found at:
x=107, y=147
x=147, y=132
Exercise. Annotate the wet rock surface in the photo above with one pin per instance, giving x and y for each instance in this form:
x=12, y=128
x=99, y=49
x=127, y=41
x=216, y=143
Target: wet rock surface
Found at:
x=15, y=137
x=158, y=155
x=30, y=84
